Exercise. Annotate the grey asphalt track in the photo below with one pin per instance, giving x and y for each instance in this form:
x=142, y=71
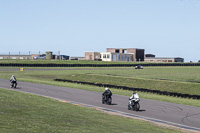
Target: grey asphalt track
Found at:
x=163, y=111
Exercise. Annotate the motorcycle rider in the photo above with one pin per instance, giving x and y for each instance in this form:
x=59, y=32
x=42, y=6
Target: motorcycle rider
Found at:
x=13, y=79
x=135, y=95
x=107, y=93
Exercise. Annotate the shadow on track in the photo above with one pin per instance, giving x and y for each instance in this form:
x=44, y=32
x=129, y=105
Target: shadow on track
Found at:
x=16, y=88
x=113, y=104
x=142, y=110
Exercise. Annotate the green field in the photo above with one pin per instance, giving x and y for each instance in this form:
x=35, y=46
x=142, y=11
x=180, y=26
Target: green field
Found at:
x=177, y=79
x=25, y=113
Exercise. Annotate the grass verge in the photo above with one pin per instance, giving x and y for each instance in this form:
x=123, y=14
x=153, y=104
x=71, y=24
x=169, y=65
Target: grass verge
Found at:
x=22, y=113
x=171, y=86
x=119, y=76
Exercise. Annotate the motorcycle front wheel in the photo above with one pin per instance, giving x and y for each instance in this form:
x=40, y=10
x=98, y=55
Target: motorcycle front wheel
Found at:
x=109, y=101
x=103, y=101
x=129, y=107
x=15, y=85
x=136, y=107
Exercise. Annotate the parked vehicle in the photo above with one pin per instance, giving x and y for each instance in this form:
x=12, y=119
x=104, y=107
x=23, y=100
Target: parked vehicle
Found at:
x=40, y=57
x=134, y=103
x=63, y=57
x=13, y=84
x=138, y=67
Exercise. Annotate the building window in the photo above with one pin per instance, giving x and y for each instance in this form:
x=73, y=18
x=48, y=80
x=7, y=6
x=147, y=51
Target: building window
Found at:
x=124, y=51
x=108, y=56
x=104, y=55
x=116, y=50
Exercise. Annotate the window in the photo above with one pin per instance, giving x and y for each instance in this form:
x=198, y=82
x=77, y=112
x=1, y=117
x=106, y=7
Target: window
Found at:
x=108, y=56
x=116, y=50
x=124, y=51
x=104, y=55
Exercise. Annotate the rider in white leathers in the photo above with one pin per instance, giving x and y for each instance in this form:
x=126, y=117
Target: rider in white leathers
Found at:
x=135, y=95
x=13, y=79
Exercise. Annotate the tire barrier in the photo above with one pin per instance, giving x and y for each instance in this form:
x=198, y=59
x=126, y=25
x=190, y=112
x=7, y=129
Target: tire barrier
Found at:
x=97, y=65
x=174, y=94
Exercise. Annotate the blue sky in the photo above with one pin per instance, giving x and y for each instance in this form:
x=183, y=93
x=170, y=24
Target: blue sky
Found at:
x=166, y=28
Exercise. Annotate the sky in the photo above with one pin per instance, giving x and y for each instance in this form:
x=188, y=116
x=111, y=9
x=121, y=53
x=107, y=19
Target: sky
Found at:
x=165, y=28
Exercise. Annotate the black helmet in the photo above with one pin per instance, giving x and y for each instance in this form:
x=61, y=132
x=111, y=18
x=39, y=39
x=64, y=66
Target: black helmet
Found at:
x=134, y=92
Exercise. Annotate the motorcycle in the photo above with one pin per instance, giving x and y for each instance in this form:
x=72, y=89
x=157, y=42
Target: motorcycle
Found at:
x=13, y=84
x=134, y=103
x=106, y=99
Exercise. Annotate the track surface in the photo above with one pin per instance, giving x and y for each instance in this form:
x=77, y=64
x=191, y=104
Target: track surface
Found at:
x=175, y=113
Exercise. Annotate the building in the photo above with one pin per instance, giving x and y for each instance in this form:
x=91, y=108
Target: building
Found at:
x=117, y=54
x=49, y=55
x=16, y=57
x=163, y=59
x=116, y=57
x=92, y=55
x=108, y=56
x=76, y=58
x=149, y=55
x=137, y=54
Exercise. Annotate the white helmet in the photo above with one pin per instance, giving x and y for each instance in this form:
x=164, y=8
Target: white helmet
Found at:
x=106, y=88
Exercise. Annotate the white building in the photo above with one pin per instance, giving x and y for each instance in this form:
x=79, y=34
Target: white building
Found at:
x=116, y=57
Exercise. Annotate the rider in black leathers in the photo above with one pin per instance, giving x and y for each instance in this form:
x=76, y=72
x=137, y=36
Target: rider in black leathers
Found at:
x=107, y=93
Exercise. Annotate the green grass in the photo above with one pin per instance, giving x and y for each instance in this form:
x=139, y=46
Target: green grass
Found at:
x=177, y=78
x=25, y=113
x=174, y=79
x=179, y=87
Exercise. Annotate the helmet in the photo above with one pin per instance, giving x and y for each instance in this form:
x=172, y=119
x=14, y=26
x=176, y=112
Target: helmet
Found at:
x=106, y=88
x=134, y=92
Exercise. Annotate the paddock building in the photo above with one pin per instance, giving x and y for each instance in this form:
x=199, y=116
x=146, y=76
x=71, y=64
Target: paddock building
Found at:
x=163, y=59
x=137, y=54
x=117, y=55
x=16, y=57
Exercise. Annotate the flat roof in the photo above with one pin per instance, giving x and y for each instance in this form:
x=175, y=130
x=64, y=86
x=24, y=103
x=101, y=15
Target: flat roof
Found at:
x=163, y=58
x=124, y=48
